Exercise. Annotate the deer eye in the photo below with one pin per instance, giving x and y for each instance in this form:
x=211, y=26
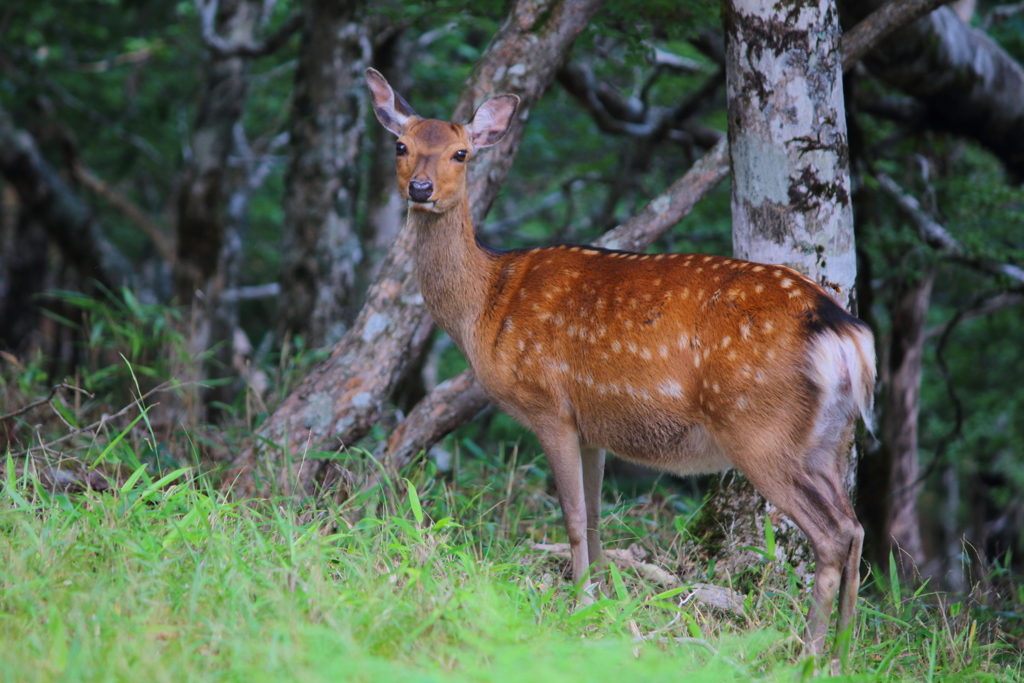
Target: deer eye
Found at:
x=460, y=156
x=400, y=149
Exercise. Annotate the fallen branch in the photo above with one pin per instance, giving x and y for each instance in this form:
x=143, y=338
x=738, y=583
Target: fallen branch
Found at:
x=632, y=558
x=49, y=397
x=95, y=426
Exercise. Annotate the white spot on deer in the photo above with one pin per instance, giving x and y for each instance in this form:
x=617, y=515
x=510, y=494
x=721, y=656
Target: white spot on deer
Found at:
x=758, y=288
x=616, y=346
x=522, y=345
x=696, y=360
x=549, y=295
x=786, y=283
x=741, y=403
x=601, y=389
x=559, y=320
x=644, y=394
x=726, y=340
x=377, y=323
x=685, y=292
x=777, y=273
x=795, y=293
x=708, y=258
x=758, y=269
x=716, y=266
x=564, y=367
x=683, y=341
x=544, y=316
x=574, y=249
x=768, y=326
x=590, y=381
x=600, y=304
x=632, y=347
x=632, y=257
x=745, y=330
x=663, y=351
x=705, y=384
x=715, y=388
x=659, y=257
x=671, y=389
x=538, y=348
x=645, y=354
x=732, y=355
x=758, y=376
x=629, y=324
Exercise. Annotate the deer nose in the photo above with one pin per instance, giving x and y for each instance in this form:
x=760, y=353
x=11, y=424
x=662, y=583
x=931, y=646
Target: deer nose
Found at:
x=420, y=190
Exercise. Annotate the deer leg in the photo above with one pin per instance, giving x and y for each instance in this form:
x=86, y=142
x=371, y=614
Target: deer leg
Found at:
x=850, y=583
x=593, y=474
x=817, y=502
x=562, y=448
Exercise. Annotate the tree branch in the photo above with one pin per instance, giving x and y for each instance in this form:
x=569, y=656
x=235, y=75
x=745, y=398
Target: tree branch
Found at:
x=878, y=25
x=991, y=305
x=940, y=239
x=967, y=83
x=164, y=243
x=242, y=47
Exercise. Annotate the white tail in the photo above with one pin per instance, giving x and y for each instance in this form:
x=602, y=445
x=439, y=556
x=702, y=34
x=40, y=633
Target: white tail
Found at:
x=685, y=362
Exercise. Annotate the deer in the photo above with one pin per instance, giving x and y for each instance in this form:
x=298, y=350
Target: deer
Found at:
x=687, y=363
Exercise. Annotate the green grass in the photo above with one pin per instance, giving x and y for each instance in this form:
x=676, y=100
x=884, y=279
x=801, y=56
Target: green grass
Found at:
x=168, y=581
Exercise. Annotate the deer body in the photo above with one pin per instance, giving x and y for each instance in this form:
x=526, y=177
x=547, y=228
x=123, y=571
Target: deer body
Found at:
x=684, y=362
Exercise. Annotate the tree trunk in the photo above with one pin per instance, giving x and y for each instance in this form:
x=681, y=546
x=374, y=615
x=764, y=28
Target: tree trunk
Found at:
x=344, y=396
x=967, y=83
x=23, y=261
x=790, y=201
x=67, y=220
x=902, y=532
x=321, y=244
x=202, y=198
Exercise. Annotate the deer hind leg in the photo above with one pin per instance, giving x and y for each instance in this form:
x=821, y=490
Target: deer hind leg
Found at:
x=561, y=446
x=816, y=501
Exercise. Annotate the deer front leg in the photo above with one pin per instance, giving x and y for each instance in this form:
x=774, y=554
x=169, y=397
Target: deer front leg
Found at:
x=593, y=475
x=562, y=448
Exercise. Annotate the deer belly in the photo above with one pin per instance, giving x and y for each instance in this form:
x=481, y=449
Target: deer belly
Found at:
x=657, y=440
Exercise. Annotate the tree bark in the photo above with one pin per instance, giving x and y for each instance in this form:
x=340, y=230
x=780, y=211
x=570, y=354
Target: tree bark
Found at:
x=967, y=83
x=343, y=397
x=790, y=202
x=902, y=533
x=201, y=192
x=321, y=247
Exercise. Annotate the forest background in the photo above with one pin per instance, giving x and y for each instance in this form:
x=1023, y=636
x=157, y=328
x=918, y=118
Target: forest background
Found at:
x=196, y=202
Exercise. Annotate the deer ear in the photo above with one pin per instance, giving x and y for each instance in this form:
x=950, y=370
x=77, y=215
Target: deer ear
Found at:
x=393, y=112
x=492, y=120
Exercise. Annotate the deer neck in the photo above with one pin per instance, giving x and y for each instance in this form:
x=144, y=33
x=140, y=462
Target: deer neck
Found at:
x=453, y=271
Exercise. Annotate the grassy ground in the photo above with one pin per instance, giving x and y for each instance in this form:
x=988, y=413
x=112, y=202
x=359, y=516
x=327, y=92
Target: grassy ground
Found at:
x=430, y=580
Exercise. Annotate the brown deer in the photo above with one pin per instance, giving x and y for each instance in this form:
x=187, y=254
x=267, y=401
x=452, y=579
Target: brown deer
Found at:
x=683, y=362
